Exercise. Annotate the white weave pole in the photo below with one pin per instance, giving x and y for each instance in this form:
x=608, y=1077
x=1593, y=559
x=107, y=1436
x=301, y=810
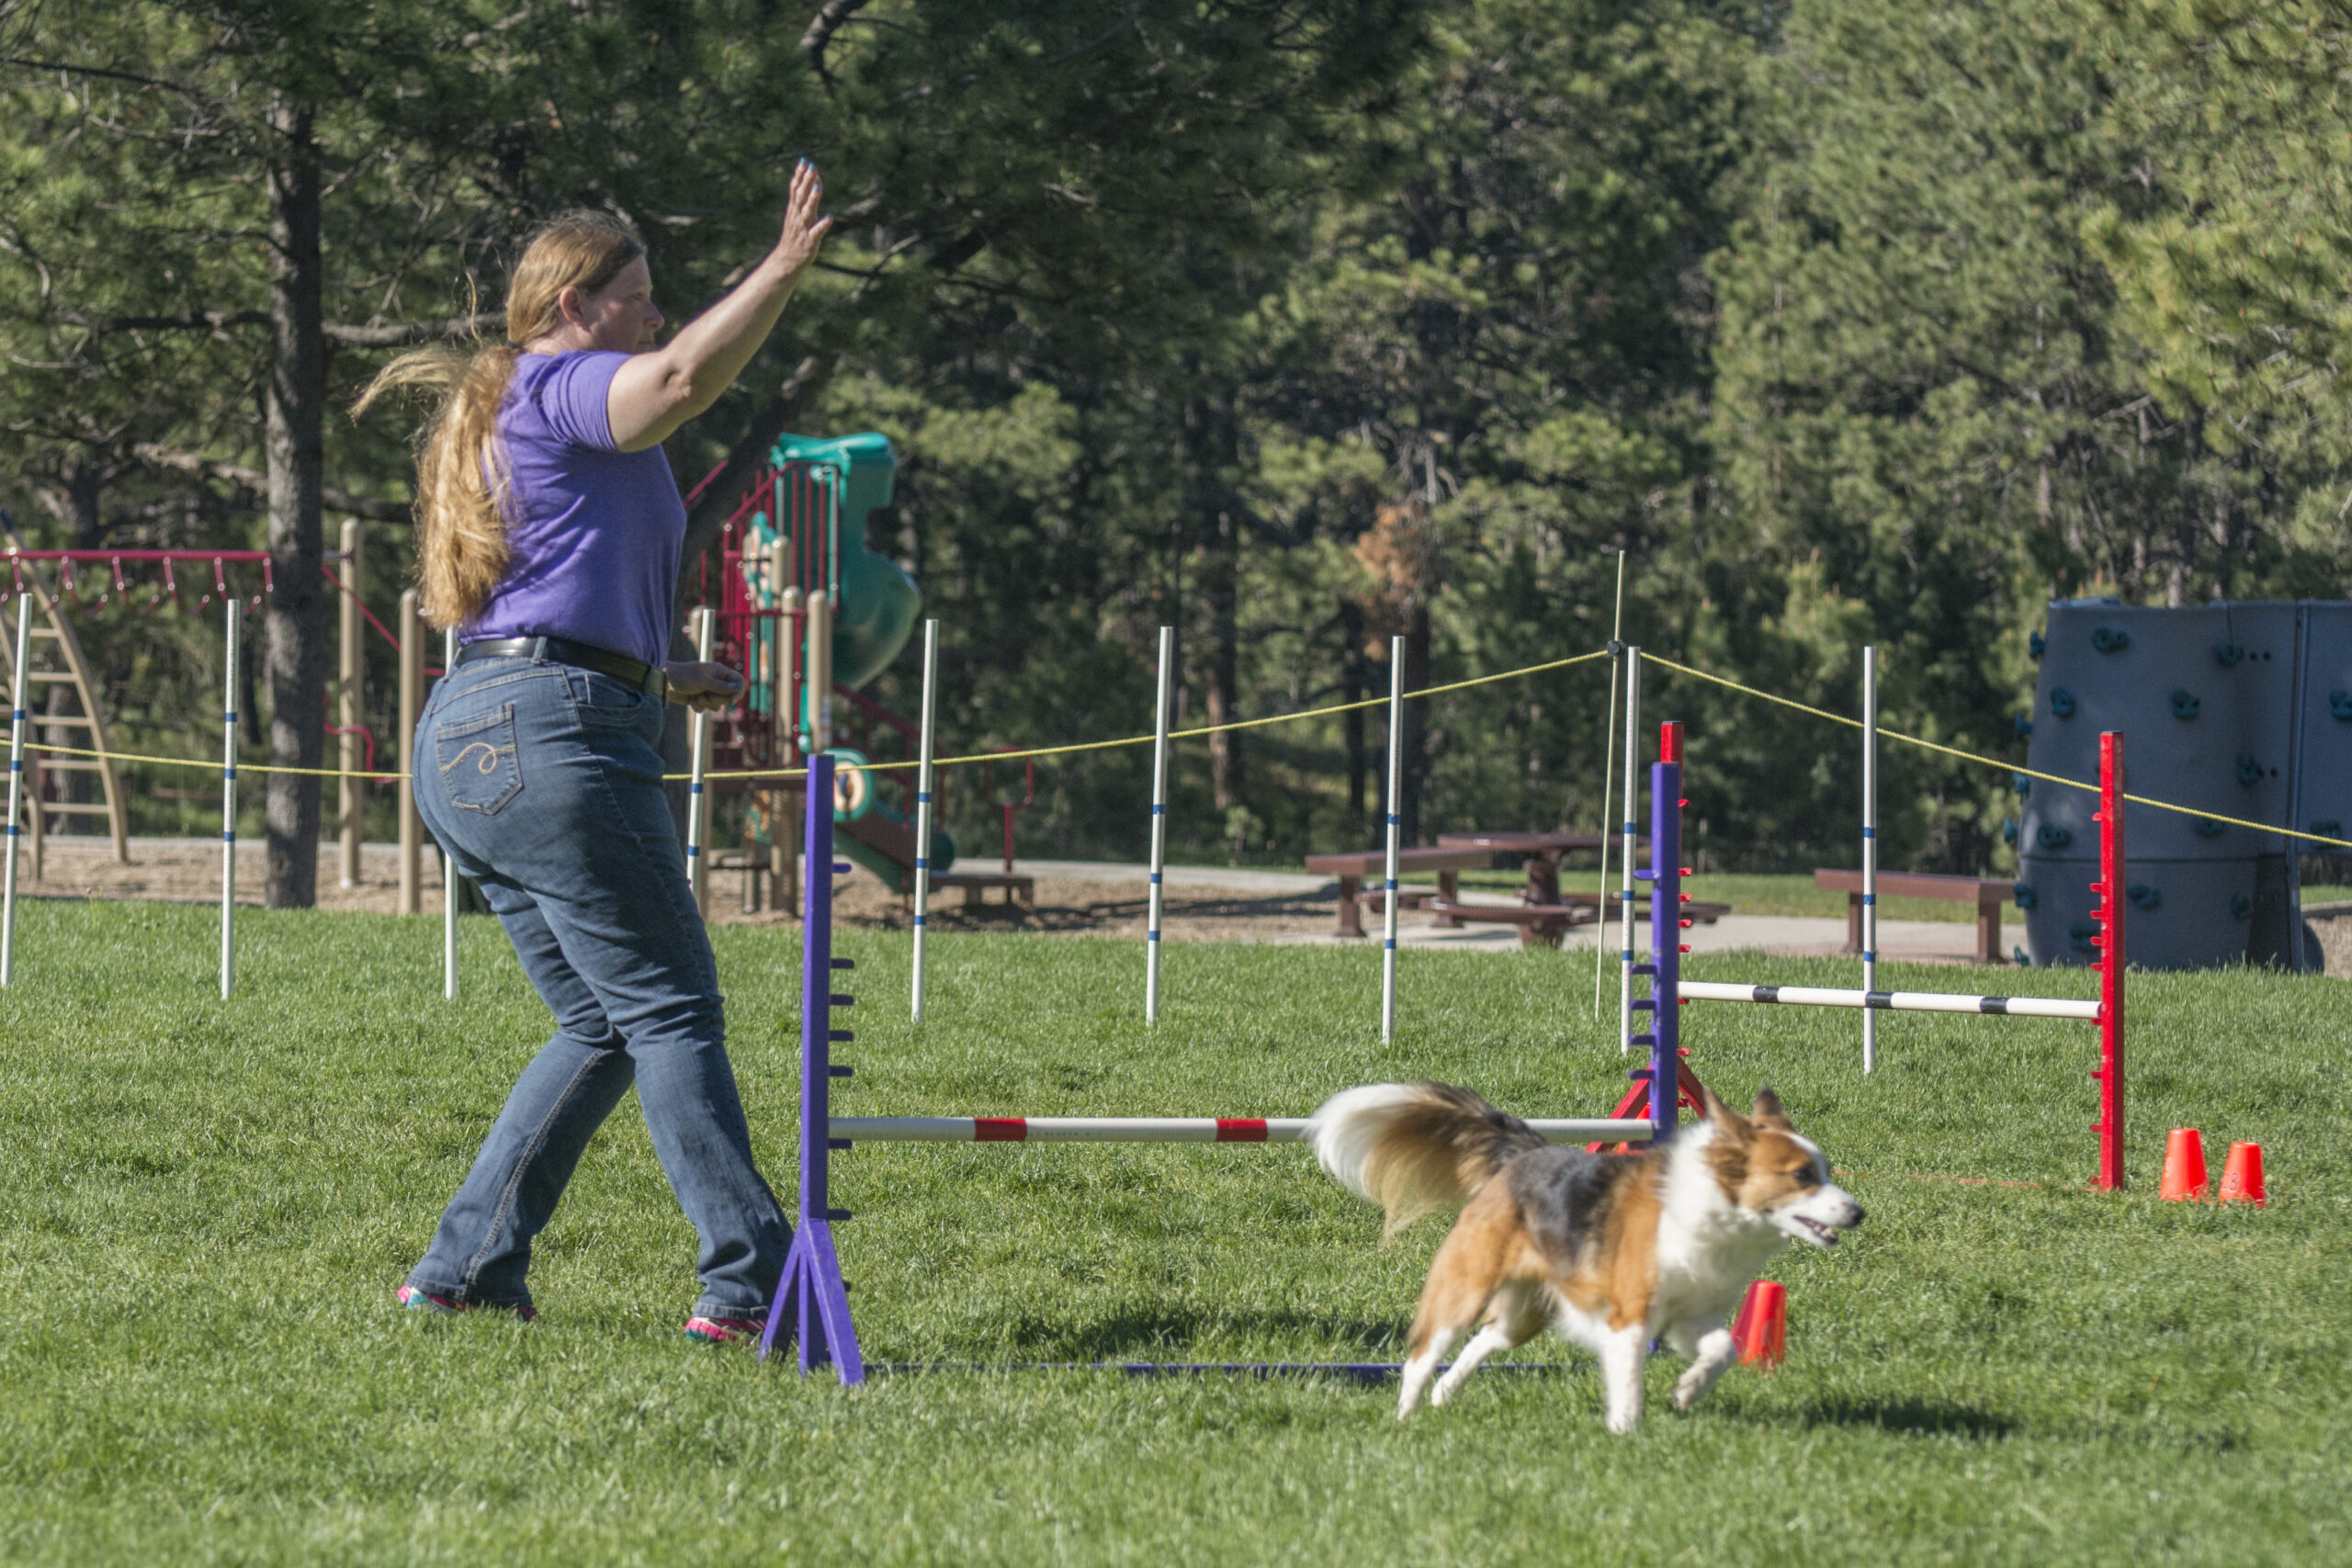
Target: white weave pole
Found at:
x=697, y=803
x=228, y=806
x=1395, y=781
x=1869, y=852
x=448, y=862
x=1625, y=890
x=1158, y=825
x=1608, y=758
x=923, y=798
x=16, y=789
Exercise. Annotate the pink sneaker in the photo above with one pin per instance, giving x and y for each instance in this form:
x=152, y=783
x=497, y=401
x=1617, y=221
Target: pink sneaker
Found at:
x=435, y=1305
x=725, y=1330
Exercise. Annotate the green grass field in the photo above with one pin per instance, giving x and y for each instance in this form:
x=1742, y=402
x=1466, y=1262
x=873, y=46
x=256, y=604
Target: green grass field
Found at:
x=206, y=1207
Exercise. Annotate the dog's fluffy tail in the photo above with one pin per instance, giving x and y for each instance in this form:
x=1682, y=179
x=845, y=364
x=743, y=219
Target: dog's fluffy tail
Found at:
x=1414, y=1148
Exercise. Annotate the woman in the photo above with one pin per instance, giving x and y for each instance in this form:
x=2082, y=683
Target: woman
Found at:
x=550, y=534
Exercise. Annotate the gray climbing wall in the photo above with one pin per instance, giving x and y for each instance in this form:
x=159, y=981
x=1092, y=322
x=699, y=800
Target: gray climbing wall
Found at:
x=2204, y=698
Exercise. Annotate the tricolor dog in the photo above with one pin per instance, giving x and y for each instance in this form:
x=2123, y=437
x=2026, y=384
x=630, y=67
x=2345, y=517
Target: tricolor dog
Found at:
x=1616, y=1251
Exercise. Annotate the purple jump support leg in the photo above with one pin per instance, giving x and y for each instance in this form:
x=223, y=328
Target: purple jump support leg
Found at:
x=1665, y=968
x=811, y=1297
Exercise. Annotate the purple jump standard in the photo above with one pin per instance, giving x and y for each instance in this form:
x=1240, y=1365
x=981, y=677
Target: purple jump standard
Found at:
x=811, y=1297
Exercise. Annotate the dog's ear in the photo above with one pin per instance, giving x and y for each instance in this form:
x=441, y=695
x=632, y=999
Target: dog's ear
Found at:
x=1722, y=1115
x=1768, y=1111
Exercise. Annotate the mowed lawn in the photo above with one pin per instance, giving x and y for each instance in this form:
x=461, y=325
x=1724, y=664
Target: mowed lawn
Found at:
x=204, y=1208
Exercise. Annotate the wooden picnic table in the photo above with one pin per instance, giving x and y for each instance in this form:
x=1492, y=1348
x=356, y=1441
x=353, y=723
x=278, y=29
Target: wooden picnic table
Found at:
x=1542, y=850
x=1987, y=893
x=1353, y=866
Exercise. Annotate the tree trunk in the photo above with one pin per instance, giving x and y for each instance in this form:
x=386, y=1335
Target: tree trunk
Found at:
x=296, y=646
x=1212, y=439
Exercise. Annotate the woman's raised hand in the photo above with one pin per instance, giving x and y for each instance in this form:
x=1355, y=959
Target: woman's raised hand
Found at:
x=804, y=229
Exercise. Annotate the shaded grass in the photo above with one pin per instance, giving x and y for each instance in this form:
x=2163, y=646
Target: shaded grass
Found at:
x=208, y=1205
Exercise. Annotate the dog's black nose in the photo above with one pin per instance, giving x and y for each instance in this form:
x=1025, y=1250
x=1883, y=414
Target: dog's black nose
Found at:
x=1861, y=1214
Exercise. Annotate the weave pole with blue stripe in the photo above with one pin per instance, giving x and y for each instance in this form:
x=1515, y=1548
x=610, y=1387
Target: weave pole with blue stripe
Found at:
x=1158, y=825
x=228, y=804
x=16, y=788
x=448, y=862
x=1626, y=892
x=923, y=798
x=1870, y=851
x=1396, y=778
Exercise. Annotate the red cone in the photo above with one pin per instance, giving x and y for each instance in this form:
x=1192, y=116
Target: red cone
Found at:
x=2184, y=1167
x=1762, y=1329
x=2242, y=1176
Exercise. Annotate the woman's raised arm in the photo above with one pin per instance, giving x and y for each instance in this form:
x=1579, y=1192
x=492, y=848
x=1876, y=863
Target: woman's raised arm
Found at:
x=658, y=391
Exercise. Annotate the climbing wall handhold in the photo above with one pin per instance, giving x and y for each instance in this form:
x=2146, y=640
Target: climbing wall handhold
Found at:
x=2050, y=836
x=2023, y=891
x=2143, y=896
x=2035, y=645
x=2339, y=705
x=2227, y=654
x=2023, y=784
x=2241, y=905
x=2206, y=828
x=2008, y=829
x=2249, y=770
x=2080, y=934
x=2327, y=828
x=2024, y=727
x=2111, y=639
x=2185, y=705
x=2062, y=701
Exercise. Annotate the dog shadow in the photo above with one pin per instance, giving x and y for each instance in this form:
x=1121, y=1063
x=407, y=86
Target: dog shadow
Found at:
x=1910, y=1418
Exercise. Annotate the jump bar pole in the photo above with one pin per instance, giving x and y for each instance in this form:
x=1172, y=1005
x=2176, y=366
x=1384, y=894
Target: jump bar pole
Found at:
x=2111, y=889
x=1665, y=968
x=227, y=804
x=811, y=1295
x=923, y=798
x=1159, y=825
x=1895, y=1002
x=698, y=798
x=16, y=786
x=1161, y=1129
x=1395, y=777
x=1870, y=854
x=448, y=862
x=1626, y=856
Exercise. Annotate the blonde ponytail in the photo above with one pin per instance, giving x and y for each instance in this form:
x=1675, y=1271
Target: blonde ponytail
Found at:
x=460, y=475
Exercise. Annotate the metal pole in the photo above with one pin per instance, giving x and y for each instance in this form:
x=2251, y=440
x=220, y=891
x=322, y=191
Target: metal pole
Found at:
x=1159, y=825
x=449, y=863
x=1608, y=758
x=16, y=786
x=1869, y=852
x=2111, y=960
x=699, y=803
x=922, y=798
x=411, y=700
x=350, y=672
x=1395, y=780
x=1626, y=856
x=818, y=676
x=229, y=806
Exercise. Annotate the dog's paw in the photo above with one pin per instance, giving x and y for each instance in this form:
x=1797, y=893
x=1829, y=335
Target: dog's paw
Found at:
x=1688, y=1389
x=1621, y=1422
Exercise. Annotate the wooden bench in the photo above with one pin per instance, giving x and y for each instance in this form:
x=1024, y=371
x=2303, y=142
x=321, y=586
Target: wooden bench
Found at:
x=1988, y=894
x=1021, y=890
x=1355, y=865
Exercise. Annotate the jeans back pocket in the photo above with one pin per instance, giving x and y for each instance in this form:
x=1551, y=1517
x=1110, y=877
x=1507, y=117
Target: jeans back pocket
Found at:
x=477, y=758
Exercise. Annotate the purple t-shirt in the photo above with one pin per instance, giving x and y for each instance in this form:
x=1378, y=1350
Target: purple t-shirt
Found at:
x=593, y=534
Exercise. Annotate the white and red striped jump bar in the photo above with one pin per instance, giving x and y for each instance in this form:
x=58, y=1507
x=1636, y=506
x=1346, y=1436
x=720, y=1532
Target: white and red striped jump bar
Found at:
x=1891, y=1001
x=1160, y=1130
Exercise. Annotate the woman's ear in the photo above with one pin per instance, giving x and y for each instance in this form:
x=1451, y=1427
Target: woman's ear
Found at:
x=567, y=305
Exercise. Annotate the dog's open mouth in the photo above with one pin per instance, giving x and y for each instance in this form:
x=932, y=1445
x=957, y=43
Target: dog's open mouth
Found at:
x=1823, y=1234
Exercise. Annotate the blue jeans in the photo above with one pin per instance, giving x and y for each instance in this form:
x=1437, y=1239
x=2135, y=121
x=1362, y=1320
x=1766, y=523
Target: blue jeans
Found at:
x=543, y=781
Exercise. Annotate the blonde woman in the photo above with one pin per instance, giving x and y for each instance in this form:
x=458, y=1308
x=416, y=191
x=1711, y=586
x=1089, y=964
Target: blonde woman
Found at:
x=550, y=530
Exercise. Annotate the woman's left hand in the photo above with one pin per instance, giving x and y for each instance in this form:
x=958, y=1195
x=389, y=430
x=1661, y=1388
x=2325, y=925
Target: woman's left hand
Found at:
x=705, y=688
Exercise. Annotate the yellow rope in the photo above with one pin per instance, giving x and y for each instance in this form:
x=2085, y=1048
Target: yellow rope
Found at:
x=1173, y=735
x=204, y=763
x=1993, y=762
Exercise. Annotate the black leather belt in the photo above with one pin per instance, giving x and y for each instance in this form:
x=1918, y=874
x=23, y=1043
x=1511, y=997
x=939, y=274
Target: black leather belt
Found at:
x=563, y=650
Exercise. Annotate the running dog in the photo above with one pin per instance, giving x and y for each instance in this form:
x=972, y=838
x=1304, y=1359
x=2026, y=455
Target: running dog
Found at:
x=1616, y=1250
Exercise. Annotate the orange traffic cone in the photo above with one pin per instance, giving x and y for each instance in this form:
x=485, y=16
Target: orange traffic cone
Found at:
x=2242, y=1176
x=1762, y=1329
x=2184, y=1167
